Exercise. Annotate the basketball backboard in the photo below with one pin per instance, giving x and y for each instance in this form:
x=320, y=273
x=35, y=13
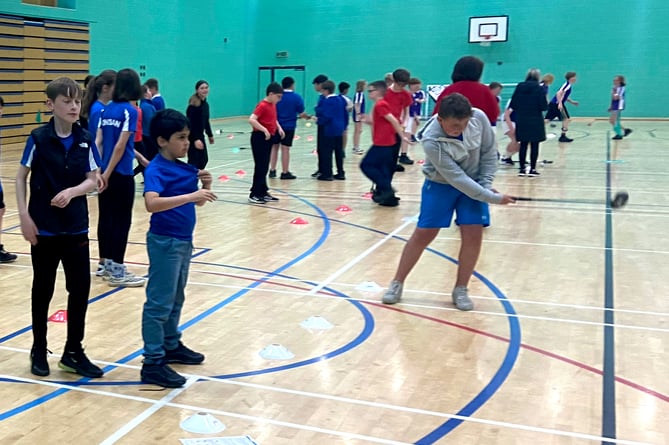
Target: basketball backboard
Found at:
x=488, y=29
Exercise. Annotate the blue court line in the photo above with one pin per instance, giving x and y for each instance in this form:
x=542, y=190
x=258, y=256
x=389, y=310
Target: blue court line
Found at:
x=609, y=373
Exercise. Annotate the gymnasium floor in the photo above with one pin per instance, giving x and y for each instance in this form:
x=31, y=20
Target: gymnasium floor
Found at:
x=534, y=363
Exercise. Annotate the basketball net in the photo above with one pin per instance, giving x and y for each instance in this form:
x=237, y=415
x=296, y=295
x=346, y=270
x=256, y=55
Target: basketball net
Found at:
x=486, y=41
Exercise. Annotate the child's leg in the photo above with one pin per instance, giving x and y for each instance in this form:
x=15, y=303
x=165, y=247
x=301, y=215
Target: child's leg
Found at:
x=534, y=155
x=285, y=159
x=76, y=257
x=122, y=189
x=470, y=248
x=420, y=239
x=261, y=150
x=45, y=256
x=522, y=158
x=273, y=157
x=356, y=135
x=164, y=276
x=344, y=139
x=339, y=154
x=618, y=128
x=182, y=251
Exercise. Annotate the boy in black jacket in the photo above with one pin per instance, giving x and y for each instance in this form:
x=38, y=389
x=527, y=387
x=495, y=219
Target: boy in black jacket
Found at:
x=59, y=158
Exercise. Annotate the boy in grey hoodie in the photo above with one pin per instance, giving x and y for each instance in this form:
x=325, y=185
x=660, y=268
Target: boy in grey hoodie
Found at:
x=460, y=165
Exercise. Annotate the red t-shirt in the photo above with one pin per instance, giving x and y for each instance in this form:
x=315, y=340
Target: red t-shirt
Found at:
x=138, y=131
x=398, y=101
x=383, y=133
x=479, y=96
x=266, y=114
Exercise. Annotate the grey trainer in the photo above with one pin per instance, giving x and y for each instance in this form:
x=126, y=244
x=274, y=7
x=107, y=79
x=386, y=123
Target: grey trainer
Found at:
x=461, y=299
x=394, y=293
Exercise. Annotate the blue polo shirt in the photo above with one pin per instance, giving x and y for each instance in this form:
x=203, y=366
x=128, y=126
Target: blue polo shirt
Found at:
x=172, y=178
x=288, y=108
x=116, y=118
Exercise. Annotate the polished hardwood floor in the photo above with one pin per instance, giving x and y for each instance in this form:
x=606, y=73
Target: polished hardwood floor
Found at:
x=537, y=362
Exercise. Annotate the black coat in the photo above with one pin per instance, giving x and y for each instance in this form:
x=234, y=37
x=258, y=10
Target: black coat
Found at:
x=529, y=102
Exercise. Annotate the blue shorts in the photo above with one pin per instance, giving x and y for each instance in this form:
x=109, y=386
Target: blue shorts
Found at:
x=438, y=201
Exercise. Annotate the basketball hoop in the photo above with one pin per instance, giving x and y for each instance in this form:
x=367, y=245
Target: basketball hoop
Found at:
x=486, y=40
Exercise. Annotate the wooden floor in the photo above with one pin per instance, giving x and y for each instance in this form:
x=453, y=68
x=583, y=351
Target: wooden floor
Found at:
x=535, y=363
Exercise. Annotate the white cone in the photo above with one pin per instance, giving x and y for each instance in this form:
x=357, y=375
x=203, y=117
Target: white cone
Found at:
x=316, y=322
x=276, y=352
x=202, y=423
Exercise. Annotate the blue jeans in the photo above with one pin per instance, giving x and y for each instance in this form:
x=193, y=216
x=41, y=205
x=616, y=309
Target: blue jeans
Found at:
x=169, y=260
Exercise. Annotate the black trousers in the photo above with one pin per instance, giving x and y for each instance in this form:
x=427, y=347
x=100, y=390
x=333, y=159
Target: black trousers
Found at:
x=73, y=252
x=330, y=145
x=148, y=149
x=198, y=158
x=115, y=216
x=261, y=150
x=534, y=154
x=378, y=165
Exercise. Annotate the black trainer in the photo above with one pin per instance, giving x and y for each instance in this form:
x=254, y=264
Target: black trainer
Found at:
x=288, y=175
x=6, y=257
x=404, y=159
x=183, y=355
x=272, y=173
x=38, y=363
x=78, y=363
x=564, y=138
x=399, y=168
x=270, y=198
x=340, y=176
x=628, y=131
x=162, y=375
x=617, y=137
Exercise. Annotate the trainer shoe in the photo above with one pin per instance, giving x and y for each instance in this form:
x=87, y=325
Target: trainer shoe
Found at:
x=399, y=168
x=288, y=175
x=270, y=198
x=78, y=363
x=533, y=173
x=394, y=293
x=256, y=200
x=617, y=137
x=628, y=131
x=340, y=176
x=506, y=161
x=6, y=257
x=183, y=355
x=325, y=178
x=564, y=138
x=272, y=173
x=315, y=174
x=523, y=171
x=120, y=277
x=38, y=364
x=162, y=375
x=404, y=159
x=358, y=151
x=461, y=299
x=101, y=270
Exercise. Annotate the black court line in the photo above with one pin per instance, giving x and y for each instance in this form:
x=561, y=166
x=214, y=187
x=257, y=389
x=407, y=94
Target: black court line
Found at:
x=609, y=374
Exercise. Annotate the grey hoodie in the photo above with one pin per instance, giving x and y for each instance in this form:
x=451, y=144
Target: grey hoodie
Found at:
x=468, y=165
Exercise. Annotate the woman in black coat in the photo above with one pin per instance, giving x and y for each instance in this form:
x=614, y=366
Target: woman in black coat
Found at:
x=529, y=102
x=198, y=115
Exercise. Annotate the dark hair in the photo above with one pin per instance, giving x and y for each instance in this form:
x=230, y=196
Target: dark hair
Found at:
x=467, y=68
x=2, y=102
x=152, y=83
x=287, y=82
x=127, y=86
x=320, y=79
x=456, y=106
x=414, y=81
x=328, y=85
x=93, y=89
x=379, y=85
x=533, y=74
x=570, y=74
x=273, y=87
x=87, y=79
x=167, y=122
x=145, y=89
x=620, y=77
x=494, y=85
x=195, y=99
x=401, y=75
x=63, y=86
x=343, y=86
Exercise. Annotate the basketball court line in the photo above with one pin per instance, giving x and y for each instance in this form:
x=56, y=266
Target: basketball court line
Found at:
x=166, y=403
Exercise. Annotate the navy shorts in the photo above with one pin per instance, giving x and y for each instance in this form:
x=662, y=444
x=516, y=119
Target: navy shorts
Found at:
x=287, y=140
x=554, y=112
x=439, y=201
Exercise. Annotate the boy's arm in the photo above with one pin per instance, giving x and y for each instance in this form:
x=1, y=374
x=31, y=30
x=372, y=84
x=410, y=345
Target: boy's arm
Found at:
x=155, y=203
x=63, y=198
x=488, y=157
x=28, y=227
x=396, y=126
x=253, y=120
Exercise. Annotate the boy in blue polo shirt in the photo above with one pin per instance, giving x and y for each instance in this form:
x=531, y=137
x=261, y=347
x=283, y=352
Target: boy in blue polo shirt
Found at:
x=5, y=257
x=59, y=159
x=170, y=195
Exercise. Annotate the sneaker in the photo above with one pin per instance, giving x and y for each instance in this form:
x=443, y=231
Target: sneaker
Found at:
x=394, y=293
x=358, y=151
x=461, y=299
x=78, y=363
x=272, y=173
x=288, y=175
x=315, y=174
x=125, y=279
x=522, y=171
x=162, y=375
x=325, y=178
x=628, y=131
x=390, y=202
x=617, y=137
x=256, y=200
x=404, y=159
x=413, y=139
x=270, y=198
x=564, y=138
x=38, y=364
x=6, y=257
x=399, y=168
x=183, y=355
x=339, y=176
x=506, y=161
x=533, y=173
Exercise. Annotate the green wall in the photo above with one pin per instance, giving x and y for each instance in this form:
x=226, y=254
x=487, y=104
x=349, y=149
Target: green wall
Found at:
x=181, y=41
